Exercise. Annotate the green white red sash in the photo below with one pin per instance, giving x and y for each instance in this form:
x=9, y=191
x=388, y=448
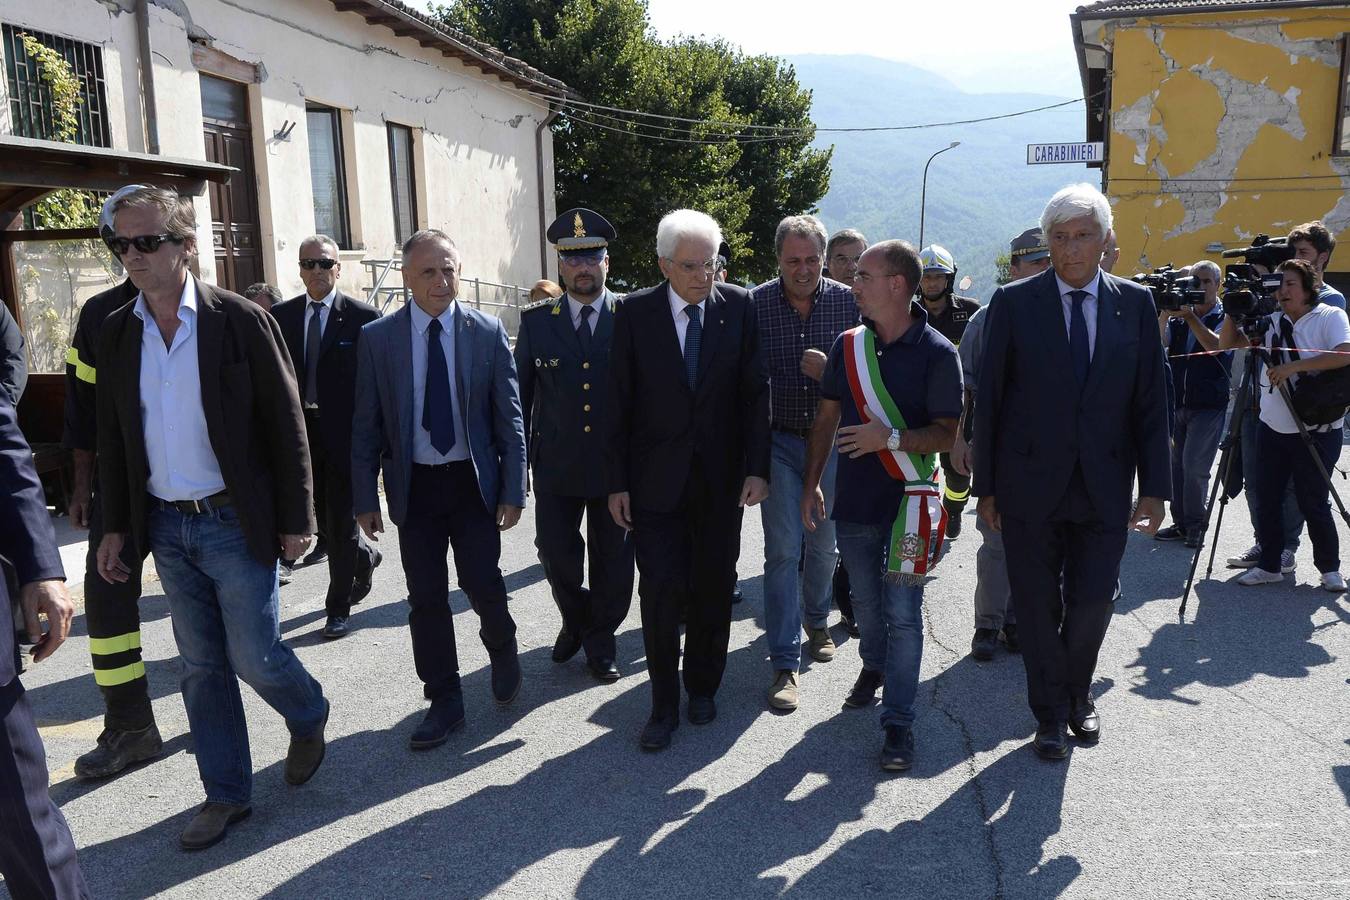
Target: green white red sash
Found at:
x=915, y=544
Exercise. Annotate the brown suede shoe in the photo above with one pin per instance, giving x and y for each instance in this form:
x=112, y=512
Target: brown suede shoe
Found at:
x=819, y=644
x=305, y=754
x=208, y=827
x=783, y=694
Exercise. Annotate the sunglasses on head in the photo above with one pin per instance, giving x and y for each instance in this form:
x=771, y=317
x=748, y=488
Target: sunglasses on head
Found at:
x=310, y=264
x=146, y=243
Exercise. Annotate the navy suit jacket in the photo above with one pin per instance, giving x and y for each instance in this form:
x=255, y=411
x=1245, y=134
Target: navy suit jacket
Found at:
x=1034, y=423
x=489, y=402
x=27, y=538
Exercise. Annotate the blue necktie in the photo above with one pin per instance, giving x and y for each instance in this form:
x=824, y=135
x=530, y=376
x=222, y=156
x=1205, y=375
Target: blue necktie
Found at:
x=584, y=332
x=1079, y=348
x=437, y=413
x=693, y=339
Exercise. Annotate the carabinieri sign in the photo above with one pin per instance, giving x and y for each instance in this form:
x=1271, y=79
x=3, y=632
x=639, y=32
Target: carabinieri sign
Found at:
x=1045, y=154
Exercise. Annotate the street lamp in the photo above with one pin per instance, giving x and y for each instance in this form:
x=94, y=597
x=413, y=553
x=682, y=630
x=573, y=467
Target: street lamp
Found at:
x=923, y=195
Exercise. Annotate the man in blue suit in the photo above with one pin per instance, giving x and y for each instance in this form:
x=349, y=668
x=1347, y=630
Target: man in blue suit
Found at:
x=37, y=854
x=1072, y=405
x=438, y=407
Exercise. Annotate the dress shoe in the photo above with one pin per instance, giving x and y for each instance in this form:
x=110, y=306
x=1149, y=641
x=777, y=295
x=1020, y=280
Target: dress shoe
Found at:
x=864, y=692
x=1170, y=533
x=445, y=715
x=306, y=753
x=317, y=555
x=364, y=581
x=336, y=627
x=819, y=644
x=1084, y=722
x=1052, y=741
x=984, y=643
x=736, y=596
x=603, y=669
x=702, y=710
x=1010, y=638
x=285, y=571
x=566, y=646
x=656, y=733
x=211, y=822
x=897, y=750
x=118, y=749
x=783, y=693
x=506, y=674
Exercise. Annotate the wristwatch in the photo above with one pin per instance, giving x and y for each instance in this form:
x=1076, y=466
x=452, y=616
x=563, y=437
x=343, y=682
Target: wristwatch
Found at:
x=893, y=442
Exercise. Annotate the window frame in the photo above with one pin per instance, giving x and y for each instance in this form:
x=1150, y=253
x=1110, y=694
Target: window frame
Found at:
x=344, y=237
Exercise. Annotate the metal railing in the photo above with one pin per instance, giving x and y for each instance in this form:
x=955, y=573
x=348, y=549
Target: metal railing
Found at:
x=504, y=301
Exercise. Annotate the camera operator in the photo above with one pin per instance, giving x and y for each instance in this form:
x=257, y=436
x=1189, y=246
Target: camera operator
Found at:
x=1312, y=241
x=1199, y=401
x=1297, y=340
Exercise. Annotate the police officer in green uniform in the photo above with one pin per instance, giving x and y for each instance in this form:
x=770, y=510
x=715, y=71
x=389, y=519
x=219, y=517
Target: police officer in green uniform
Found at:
x=562, y=356
x=949, y=314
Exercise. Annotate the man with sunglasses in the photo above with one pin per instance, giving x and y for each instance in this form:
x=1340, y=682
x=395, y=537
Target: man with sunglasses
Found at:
x=562, y=357
x=203, y=460
x=322, y=328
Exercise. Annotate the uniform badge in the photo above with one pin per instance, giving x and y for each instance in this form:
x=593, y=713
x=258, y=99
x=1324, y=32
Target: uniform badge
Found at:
x=554, y=362
x=538, y=363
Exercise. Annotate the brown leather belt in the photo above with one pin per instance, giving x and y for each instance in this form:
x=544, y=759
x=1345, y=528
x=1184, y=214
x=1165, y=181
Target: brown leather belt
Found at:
x=194, y=507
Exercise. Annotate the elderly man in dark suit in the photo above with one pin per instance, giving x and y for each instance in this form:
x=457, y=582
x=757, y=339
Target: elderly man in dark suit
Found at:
x=1072, y=405
x=438, y=408
x=37, y=854
x=322, y=328
x=688, y=450
x=202, y=459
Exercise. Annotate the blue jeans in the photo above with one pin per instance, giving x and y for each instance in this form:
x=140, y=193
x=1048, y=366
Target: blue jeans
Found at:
x=783, y=532
x=1251, y=474
x=889, y=616
x=225, y=622
x=1285, y=458
x=1195, y=440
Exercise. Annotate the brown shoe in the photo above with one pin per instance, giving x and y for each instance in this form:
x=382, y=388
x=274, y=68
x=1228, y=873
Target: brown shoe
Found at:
x=210, y=823
x=784, y=694
x=819, y=644
x=306, y=753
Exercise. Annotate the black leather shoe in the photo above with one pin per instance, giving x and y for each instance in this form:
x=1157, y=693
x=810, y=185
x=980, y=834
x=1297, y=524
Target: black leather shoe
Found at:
x=445, y=715
x=284, y=572
x=506, y=674
x=953, y=527
x=118, y=749
x=336, y=627
x=366, y=580
x=864, y=691
x=1010, y=638
x=1084, y=722
x=566, y=646
x=850, y=625
x=984, y=643
x=317, y=555
x=306, y=753
x=736, y=596
x=702, y=710
x=603, y=669
x=1052, y=741
x=897, y=750
x=656, y=733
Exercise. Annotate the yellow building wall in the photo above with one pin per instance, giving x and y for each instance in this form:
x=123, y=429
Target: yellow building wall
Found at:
x=1221, y=128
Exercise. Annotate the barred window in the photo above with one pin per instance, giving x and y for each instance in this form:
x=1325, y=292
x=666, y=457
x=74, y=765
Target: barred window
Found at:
x=30, y=100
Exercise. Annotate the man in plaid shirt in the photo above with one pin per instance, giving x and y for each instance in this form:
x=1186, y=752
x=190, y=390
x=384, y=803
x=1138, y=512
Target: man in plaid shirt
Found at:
x=799, y=315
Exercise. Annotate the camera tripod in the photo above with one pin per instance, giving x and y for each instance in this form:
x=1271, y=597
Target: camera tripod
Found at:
x=1247, y=399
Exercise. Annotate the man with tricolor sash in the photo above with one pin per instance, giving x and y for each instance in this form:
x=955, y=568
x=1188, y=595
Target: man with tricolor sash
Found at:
x=894, y=385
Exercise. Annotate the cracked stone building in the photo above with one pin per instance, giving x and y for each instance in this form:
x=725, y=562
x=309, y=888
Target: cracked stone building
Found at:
x=1222, y=119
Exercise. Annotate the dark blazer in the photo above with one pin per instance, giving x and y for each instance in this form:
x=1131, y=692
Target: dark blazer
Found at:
x=27, y=539
x=337, y=364
x=253, y=417
x=563, y=397
x=1035, y=423
x=658, y=426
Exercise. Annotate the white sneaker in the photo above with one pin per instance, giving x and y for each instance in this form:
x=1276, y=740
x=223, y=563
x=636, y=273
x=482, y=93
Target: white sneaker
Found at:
x=1257, y=575
x=1333, y=581
x=1287, y=562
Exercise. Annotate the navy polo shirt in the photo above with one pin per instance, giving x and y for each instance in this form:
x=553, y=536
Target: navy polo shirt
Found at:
x=923, y=375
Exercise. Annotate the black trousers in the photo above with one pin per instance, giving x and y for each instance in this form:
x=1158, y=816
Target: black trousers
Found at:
x=592, y=613
x=445, y=510
x=687, y=559
x=349, y=556
x=112, y=615
x=37, y=853
x=843, y=597
x=955, y=486
x=1063, y=573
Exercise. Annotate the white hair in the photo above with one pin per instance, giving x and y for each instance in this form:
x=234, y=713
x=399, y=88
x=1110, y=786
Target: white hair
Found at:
x=1205, y=265
x=686, y=224
x=1075, y=201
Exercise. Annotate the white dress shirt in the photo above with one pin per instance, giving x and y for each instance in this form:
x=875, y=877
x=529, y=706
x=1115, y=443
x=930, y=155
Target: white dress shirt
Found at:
x=177, y=444
x=677, y=311
x=323, y=320
x=575, y=306
x=1092, y=288
x=423, y=452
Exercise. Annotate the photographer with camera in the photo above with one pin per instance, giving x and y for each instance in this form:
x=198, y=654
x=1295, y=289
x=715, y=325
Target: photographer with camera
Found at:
x=1312, y=241
x=1200, y=399
x=1297, y=339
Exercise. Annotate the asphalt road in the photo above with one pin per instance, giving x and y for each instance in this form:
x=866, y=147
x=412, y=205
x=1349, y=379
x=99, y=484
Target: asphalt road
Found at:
x=1223, y=770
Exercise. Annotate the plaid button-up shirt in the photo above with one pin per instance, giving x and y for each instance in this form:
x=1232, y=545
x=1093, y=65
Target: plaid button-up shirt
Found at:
x=785, y=337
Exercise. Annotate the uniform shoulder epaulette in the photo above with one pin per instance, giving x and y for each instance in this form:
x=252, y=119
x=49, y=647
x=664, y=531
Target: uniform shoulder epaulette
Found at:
x=539, y=304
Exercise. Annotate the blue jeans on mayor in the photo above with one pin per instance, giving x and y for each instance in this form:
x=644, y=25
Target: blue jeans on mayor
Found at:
x=781, y=515
x=226, y=624
x=889, y=617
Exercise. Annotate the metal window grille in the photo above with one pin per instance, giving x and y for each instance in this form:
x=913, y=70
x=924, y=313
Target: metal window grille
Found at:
x=30, y=100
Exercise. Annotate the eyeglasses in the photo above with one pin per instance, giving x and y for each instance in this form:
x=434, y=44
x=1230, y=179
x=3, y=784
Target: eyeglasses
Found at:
x=578, y=261
x=325, y=264
x=692, y=268
x=146, y=243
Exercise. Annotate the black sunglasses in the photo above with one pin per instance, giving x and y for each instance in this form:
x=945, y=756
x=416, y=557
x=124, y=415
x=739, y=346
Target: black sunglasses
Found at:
x=146, y=243
x=325, y=264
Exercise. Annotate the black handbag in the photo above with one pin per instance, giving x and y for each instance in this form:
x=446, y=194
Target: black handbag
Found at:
x=1322, y=398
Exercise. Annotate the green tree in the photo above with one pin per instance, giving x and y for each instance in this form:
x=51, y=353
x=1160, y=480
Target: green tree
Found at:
x=1003, y=269
x=634, y=172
